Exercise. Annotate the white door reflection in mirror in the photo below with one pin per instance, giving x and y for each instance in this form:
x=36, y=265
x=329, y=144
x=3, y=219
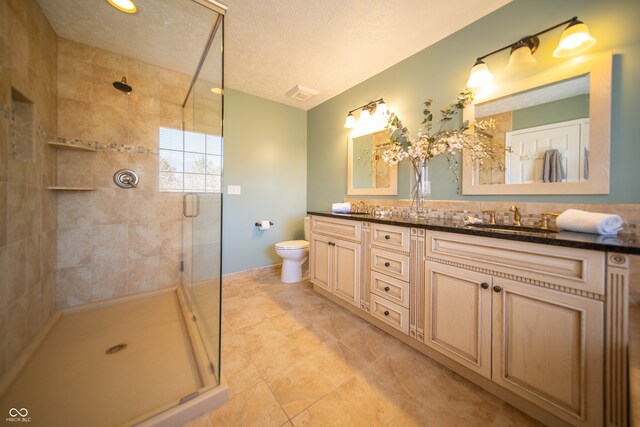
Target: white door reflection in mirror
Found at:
x=543, y=134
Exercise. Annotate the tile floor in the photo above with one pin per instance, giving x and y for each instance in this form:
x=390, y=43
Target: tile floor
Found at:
x=291, y=357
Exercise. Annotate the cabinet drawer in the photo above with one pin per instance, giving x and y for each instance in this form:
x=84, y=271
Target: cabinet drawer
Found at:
x=391, y=237
x=389, y=263
x=343, y=228
x=569, y=267
x=390, y=313
x=392, y=289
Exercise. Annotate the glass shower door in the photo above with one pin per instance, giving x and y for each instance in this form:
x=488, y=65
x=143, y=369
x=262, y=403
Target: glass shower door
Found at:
x=202, y=222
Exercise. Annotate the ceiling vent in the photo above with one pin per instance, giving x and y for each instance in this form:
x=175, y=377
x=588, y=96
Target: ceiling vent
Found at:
x=301, y=93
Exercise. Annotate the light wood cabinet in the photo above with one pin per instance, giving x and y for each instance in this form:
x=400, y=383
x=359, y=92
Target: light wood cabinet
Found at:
x=548, y=348
x=346, y=271
x=335, y=262
x=319, y=267
x=458, y=315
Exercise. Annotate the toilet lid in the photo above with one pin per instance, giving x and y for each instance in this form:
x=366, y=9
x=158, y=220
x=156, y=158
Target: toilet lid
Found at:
x=292, y=244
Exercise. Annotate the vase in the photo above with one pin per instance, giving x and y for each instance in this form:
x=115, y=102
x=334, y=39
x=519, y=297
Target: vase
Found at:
x=421, y=186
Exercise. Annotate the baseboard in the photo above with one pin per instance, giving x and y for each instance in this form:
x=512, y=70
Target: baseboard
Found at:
x=251, y=272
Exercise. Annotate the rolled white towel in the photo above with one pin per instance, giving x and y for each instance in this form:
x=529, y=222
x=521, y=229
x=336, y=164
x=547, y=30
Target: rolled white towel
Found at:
x=589, y=222
x=341, y=207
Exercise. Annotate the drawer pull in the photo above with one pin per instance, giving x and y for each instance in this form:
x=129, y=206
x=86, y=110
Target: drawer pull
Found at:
x=484, y=285
x=386, y=312
x=387, y=237
x=497, y=289
x=386, y=289
x=387, y=264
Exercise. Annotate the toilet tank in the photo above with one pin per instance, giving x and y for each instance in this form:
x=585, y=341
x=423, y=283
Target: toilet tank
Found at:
x=307, y=227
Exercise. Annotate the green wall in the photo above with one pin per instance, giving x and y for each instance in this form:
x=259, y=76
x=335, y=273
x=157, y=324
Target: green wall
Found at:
x=441, y=71
x=265, y=152
x=576, y=107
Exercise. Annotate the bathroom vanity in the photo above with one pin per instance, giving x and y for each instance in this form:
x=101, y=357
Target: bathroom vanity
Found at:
x=539, y=320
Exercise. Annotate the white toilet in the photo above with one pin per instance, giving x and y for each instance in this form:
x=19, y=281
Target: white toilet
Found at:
x=294, y=253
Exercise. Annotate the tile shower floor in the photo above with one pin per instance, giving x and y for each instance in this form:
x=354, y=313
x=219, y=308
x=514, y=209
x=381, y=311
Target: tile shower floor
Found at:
x=291, y=357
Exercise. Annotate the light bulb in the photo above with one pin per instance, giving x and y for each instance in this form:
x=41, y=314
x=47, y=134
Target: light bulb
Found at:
x=520, y=58
x=575, y=39
x=365, y=117
x=382, y=107
x=480, y=75
x=350, y=123
x=124, y=5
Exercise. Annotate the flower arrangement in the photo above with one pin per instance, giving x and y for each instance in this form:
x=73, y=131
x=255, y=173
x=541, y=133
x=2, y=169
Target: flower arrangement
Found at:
x=432, y=142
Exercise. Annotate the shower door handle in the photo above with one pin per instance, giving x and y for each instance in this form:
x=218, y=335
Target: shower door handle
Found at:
x=184, y=206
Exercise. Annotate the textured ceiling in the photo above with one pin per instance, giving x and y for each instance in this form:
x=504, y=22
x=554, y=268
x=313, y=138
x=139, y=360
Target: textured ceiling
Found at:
x=272, y=45
x=169, y=33
x=332, y=45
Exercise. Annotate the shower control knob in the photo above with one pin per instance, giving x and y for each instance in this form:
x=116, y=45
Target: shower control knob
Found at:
x=125, y=178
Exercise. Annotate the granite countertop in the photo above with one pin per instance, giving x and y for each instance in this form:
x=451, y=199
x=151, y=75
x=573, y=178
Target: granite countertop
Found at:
x=628, y=243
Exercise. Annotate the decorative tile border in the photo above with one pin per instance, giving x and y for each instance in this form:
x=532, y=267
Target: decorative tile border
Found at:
x=401, y=208
x=99, y=146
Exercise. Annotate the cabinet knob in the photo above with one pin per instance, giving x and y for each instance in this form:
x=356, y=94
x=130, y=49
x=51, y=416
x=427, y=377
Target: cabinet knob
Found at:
x=386, y=312
x=484, y=285
x=387, y=237
x=386, y=289
x=387, y=264
x=497, y=289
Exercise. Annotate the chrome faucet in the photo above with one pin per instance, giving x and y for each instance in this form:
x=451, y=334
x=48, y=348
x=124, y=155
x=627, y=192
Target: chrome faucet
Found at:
x=516, y=215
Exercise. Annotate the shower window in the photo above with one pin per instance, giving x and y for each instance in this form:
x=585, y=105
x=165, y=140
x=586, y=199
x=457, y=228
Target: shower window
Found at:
x=189, y=161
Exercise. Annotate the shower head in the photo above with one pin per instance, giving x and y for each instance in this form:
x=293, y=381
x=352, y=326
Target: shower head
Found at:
x=122, y=86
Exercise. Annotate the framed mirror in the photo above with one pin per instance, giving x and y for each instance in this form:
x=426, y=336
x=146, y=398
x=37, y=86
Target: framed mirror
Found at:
x=367, y=173
x=552, y=132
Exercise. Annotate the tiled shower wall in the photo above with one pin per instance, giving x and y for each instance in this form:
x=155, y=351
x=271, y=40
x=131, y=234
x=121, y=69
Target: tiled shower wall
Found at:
x=27, y=167
x=114, y=242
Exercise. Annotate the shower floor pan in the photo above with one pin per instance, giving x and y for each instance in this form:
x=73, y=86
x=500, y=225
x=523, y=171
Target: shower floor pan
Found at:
x=77, y=373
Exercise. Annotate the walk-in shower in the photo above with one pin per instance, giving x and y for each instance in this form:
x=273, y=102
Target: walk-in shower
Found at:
x=124, y=328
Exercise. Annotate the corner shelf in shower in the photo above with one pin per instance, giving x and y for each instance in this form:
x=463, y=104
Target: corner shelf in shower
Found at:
x=71, y=189
x=65, y=146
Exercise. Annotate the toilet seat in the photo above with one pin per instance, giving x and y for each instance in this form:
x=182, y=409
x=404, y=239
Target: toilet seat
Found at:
x=292, y=244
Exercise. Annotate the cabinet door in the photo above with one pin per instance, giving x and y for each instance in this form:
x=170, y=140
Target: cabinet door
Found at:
x=547, y=347
x=458, y=315
x=346, y=271
x=320, y=261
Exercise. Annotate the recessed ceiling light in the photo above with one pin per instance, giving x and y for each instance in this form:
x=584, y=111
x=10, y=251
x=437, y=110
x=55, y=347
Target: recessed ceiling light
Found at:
x=124, y=5
x=217, y=90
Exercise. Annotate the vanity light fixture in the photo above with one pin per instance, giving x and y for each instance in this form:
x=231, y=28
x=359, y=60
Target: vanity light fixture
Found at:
x=366, y=111
x=575, y=39
x=126, y=6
